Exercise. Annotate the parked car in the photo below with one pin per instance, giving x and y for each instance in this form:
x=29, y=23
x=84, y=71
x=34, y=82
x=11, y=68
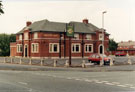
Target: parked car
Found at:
x=96, y=58
x=120, y=53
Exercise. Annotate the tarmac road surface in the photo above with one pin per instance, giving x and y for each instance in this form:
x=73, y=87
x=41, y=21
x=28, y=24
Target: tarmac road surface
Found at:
x=66, y=81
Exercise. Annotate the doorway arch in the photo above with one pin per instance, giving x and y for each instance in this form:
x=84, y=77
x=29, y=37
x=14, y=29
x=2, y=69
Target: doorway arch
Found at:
x=101, y=49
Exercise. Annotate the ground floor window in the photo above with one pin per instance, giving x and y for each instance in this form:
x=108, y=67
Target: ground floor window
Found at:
x=75, y=48
x=88, y=48
x=34, y=47
x=53, y=47
x=19, y=48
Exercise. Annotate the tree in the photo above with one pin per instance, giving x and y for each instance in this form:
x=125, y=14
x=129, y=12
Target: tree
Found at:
x=112, y=45
x=5, y=40
x=1, y=8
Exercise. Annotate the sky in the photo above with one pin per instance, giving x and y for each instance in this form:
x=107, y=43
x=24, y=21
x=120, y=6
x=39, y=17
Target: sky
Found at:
x=119, y=20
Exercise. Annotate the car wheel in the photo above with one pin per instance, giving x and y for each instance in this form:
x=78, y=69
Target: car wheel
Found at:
x=90, y=61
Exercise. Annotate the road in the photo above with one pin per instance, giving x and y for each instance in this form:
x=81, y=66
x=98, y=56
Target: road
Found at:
x=66, y=81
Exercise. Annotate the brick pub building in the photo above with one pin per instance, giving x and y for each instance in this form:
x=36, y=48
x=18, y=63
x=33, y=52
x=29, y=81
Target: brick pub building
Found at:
x=48, y=39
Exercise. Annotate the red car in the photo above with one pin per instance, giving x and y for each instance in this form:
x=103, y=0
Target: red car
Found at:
x=96, y=58
x=120, y=53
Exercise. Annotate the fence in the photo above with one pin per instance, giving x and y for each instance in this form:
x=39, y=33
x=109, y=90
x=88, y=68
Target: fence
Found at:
x=62, y=62
x=41, y=61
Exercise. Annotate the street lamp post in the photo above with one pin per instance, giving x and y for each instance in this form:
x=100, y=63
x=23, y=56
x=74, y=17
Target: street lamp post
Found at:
x=102, y=61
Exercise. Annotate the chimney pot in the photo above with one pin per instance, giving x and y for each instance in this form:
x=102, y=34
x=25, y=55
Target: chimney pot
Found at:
x=28, y=23
x=86, y=21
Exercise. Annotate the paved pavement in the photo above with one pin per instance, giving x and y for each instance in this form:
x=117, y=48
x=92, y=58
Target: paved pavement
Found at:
x=18, y=67
x=66, y=81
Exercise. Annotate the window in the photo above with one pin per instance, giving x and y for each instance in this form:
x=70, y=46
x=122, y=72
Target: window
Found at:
x=20, y=37
x=35, y=35
x=133, y=46
x=101, y=36
x=53, y=47
x=76, y=36
x=34, y=47
x=75, y=48
x=26, y=36
x=88, y=48
x=19, y=48
x=88, y=37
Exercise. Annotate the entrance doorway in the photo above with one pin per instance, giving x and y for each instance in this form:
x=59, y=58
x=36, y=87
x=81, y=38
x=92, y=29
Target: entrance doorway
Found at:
x=26, y=51
x=101, y=49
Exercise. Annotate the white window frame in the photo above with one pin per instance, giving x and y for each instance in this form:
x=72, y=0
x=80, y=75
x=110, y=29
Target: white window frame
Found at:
x=76, y=36
x=88, y=36
x=88, y=48
x=20, y=37
x=35, y=50
x=53, y=48
x=74, y=44
x=101, y=36
x=26, y=36
x=19, y=46
x=36, y=35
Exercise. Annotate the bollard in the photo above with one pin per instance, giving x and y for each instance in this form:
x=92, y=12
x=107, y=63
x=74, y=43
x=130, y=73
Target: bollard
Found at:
x=129, y=60
x=4, y=59
x=55, y=63
x=67, y=63
x=20, y=61
x=11, y=60
x=83, y=64
x=41, y=62
x=111, y=62
x=30, y=63
x=101, y=62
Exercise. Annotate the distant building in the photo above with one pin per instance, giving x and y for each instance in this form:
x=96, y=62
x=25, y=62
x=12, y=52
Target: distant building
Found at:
x=48, y=39
x=128, y=47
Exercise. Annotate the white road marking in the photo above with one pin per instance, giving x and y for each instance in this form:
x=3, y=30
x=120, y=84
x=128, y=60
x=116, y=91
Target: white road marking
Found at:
x=122, y=85
x=87, y=80
x=69, y=78
x=109, y=83
x=115, y=82
x=132, y=87
x=99, y=82
x=104, y=81
x=128, y=84
x=78, y=79
x=24, y=83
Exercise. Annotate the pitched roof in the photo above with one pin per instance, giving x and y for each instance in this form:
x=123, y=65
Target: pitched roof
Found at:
x=48, y=26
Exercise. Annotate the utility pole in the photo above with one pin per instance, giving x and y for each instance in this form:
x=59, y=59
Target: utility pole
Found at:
x=102, y=61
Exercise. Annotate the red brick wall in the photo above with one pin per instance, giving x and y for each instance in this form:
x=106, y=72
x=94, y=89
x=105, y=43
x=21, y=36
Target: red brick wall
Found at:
x=44, y=38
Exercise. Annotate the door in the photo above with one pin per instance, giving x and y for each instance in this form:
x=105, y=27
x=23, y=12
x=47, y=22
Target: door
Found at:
x=101, y=49
x=26, y=51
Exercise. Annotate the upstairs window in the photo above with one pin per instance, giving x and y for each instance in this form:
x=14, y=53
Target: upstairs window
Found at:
x=20, y=37
x=101, y=37
x=25, y=36
x=88, y=37
x=35, y=35
x=76, y=36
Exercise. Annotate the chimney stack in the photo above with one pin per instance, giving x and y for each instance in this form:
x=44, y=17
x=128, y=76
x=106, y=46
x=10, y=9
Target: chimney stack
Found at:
x=86, y=21
x=28, y=23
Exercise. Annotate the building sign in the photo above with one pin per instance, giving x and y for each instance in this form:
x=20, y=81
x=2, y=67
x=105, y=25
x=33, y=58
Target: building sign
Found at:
x=70, y=31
